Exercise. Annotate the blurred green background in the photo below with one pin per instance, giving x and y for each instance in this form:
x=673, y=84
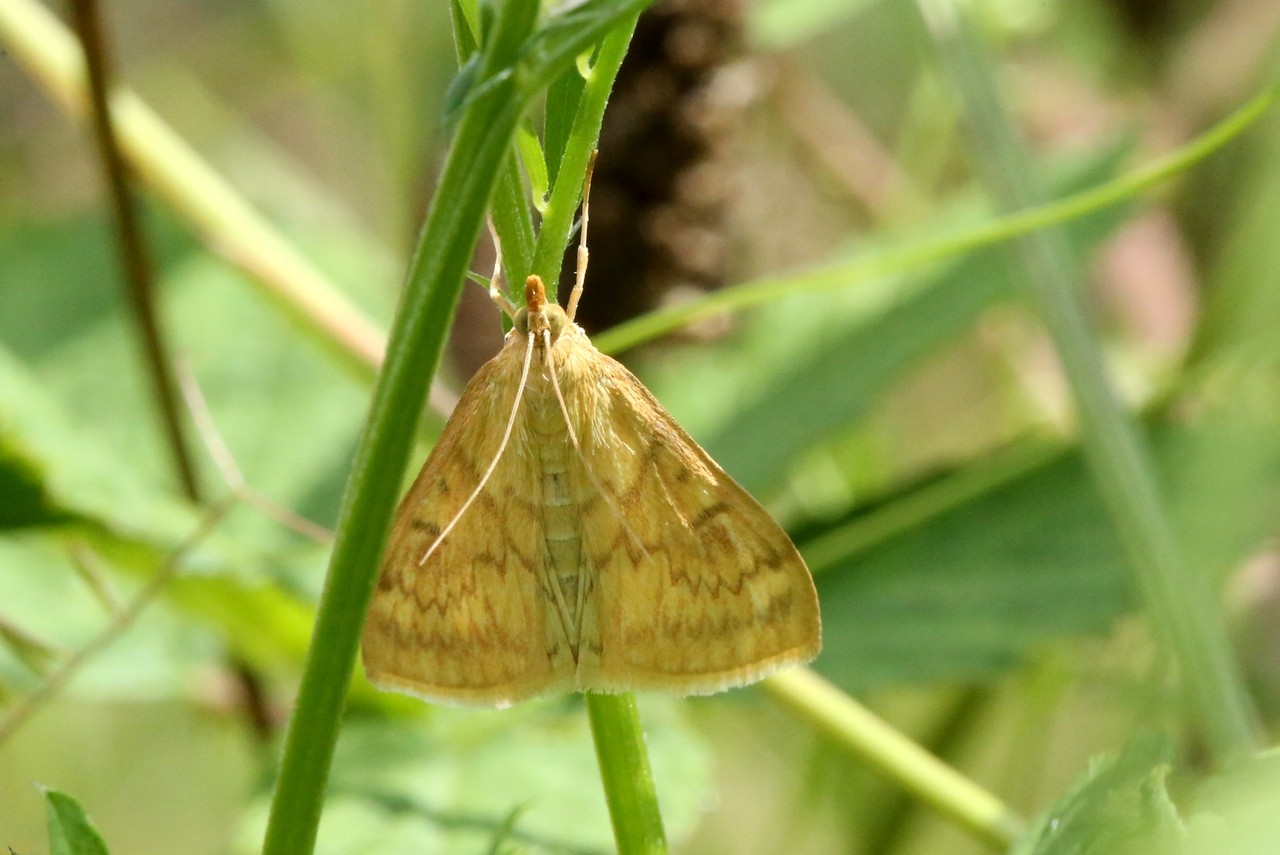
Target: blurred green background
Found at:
x=912, y=431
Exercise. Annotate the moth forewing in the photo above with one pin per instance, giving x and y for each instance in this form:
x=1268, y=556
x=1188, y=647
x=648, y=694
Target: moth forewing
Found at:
x=467, y=625
x=604, y=551
x=718, y=596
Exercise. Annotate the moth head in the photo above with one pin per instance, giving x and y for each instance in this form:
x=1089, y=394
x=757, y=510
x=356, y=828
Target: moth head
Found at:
x=538, y=314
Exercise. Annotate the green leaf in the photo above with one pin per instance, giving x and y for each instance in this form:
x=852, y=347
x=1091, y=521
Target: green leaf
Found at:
x=464, y=28
x=843, y=379
x=24, y=503
x=465, y=88
x=510, y=206
x=513, y=221
x=1120, y=806
x=58, y=480
x=288, y=416
x=570, y=31
x=557, y=220
x=535, y=165
x=954, y=582
x=271, y=395
x=71, y=832
x=50, y=474
x=966, y=592
x=54, y=262
x=563, y=97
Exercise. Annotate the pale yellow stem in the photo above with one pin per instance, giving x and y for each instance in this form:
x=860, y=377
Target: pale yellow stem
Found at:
x=878, y=743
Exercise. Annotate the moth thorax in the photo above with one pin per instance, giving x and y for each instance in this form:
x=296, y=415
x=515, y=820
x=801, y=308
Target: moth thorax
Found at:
x=548, y=317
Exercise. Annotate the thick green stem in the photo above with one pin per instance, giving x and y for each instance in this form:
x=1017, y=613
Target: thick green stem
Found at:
x=417, y=340
x=624, y=768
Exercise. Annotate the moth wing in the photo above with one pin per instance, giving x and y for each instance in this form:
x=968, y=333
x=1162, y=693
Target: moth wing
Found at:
x=470, y=624
x=696, y=588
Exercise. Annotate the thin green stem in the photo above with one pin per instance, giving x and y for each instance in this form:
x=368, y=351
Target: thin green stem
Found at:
x=934, y=249
x=624, y=768
x=872, y=739
x=1180, y=603
x=133, y=248
x=557, y=220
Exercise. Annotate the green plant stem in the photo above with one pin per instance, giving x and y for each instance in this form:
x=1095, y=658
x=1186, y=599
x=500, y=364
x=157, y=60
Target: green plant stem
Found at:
x=624, y=769
x=1180, y=603
x=934, y=249
x=557, y=219
x=133, y=249
x=417, y=340
x=854, y=726
x=435, y=280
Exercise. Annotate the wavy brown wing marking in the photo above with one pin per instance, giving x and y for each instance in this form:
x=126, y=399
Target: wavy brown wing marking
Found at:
x=469, y=626
x=714, y=594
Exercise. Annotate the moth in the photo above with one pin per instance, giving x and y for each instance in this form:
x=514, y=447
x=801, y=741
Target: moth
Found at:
x=565, y=533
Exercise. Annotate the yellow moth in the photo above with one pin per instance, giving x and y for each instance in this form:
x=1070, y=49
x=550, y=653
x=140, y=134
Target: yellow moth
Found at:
x=566, y=534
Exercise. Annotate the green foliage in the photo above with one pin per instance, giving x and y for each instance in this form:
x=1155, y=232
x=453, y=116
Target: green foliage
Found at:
x=1026, y=549
x=71, y=832
x=1121, y=805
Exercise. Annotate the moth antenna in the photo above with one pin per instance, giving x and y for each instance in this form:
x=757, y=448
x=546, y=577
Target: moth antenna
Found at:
x=502, y=446
x=581, y=278
x=496, y=292
x=573, y=437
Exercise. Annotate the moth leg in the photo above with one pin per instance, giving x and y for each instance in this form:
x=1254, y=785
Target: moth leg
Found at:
x=576, y=293
x=496, y=292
